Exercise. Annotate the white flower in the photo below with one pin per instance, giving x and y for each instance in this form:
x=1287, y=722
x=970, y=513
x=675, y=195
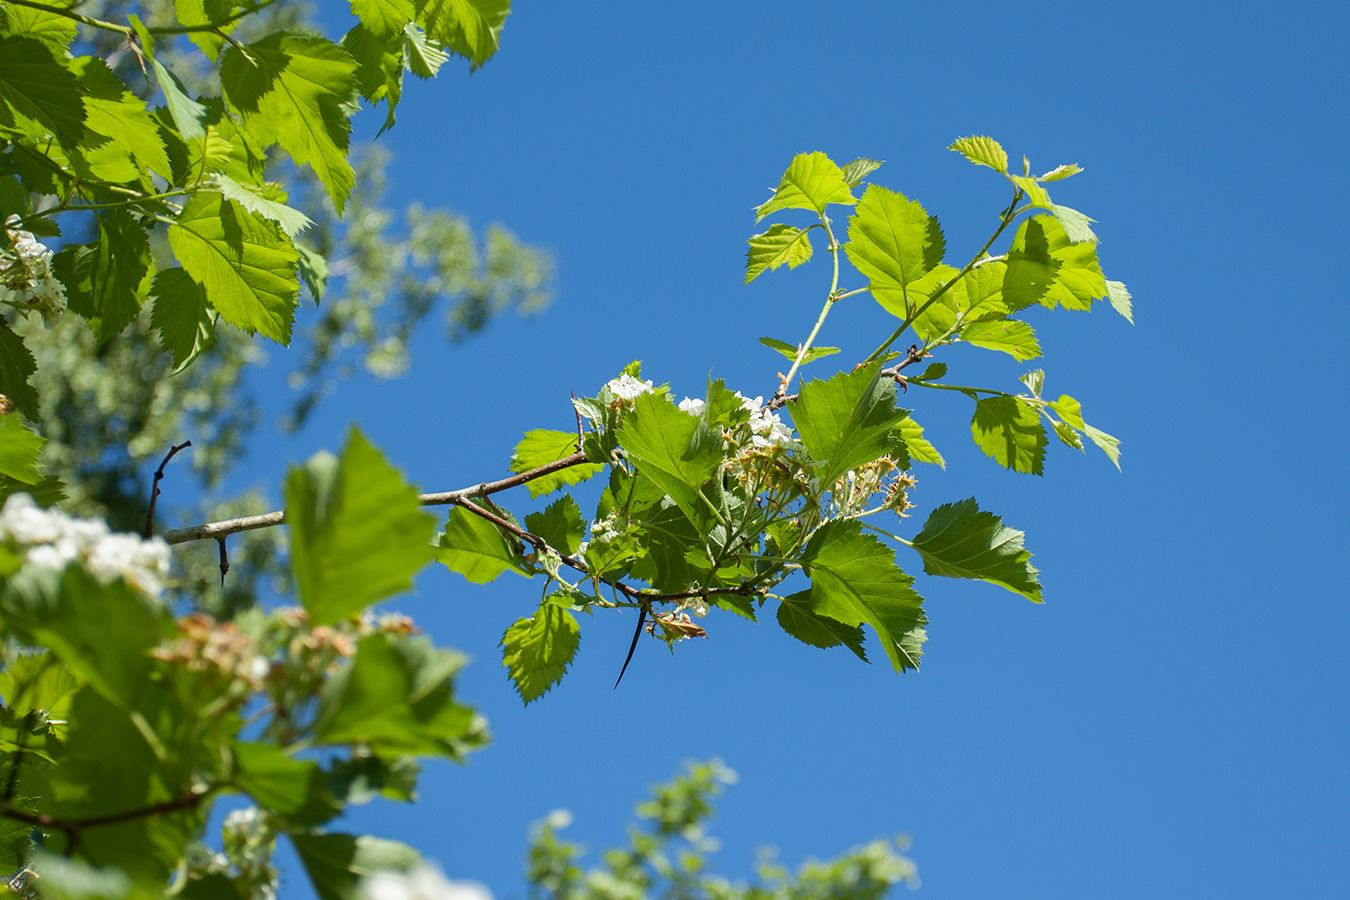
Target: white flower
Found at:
x=768, y=430
x=422, y=883
x=693, y=406
x=626, y=387
x=26, y=279
x=53, y=540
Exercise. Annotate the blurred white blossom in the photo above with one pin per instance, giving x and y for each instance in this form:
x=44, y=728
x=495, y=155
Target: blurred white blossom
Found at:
x=422, y=883
x=51, y=539
x=26, y=279
x=693, y=406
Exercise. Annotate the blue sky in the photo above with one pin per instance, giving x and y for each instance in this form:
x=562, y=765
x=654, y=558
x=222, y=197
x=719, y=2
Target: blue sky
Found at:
x=1173, y=721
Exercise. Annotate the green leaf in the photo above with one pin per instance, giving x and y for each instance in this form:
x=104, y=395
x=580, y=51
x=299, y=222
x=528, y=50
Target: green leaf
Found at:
x=541, y=447
x=1045, y=267
x=38, y=682
x=38, y=95
x=982, y=151
x=205, y=12
x=54, y=30
x=678, y=452
x=979, y=293
x=812, y=181
x=16, y=365
x=847, y=420
x=246, y=265
x=295, y=789
x=560, y=524
x=291, y=89
x=790, y=351
x=920, y=450
x=63, y=878
x=860, y=168
x=1070, y=410
x=313, y=271
x=107, y=281
x=423, y=56
x=384, y=17
x=121, y=119
x=961, y=541
x=471, y=28
x=337, y=863
x=1110, y=445
x=182, y=317
x=1120, y=299
x=19, y=450
x=1076, y=225
x=396, y=696
x=358, y=533
x=1060, y=172
x=292, y=221
x=1008, y=335
x=819, y=631
x=537, y=650
x=189, y=116
x=477, y=549
x=780, y=244
x=937, y=317
x=892, y=241
x=1036, y=195
x=379, y=73
x=1009, y=431
x=360, y=779
x=855, y=581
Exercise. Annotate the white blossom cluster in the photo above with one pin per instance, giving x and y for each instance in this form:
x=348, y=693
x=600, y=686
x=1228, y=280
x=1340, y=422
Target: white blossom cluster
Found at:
x=422, y=883
x=693, y=406
x=626, y=387
x=51, y=539
x=768, y=430
x=26, y=279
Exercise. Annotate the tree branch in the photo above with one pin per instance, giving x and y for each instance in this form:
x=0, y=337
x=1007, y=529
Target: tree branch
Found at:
x=73, y=826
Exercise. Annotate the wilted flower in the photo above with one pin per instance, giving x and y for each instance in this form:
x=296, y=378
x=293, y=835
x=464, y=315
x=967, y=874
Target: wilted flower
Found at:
x=53, y=540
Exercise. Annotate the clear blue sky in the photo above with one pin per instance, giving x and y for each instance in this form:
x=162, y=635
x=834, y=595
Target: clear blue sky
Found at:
x=1173, y=721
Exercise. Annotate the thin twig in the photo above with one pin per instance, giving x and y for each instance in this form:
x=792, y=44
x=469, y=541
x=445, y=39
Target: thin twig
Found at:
x=73, y=826
x=154, y=488
x=633, y=646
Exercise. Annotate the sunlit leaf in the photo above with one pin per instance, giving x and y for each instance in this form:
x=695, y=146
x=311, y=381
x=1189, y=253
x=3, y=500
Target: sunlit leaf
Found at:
x=1045, y=267
x=537, y=650
x=982, y=151
x=893, y=241
x=476, y=548
x=541, y=447
x=847, y=420
x=961, y=541
x=780, y=244
x=1009, y=431
x=812, y=181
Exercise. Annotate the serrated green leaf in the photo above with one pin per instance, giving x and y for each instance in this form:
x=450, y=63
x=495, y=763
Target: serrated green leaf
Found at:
x=54, y=30
x=182, y=317
x=537, y=650
x=294, y=789
x=201, y=13
x=560, y=524
x=292, y=221
x=790, y=351
x=1060, y=172
x=1035, y=194
x=911, y=432
x=358, y=533
x=338, y=863
x=961, y=541
x=932, y=372
x=16, y=365
x=291, y=89
x=892, y=241
x=1034, y=380
x=982, y=151
x=379, y=72
x=107, y=281
x=1070, y=410
x=188, y=115
x=38, y=682
x=396, y=696
x=1068, y=435
x=812, y=181
x=471, y=28
x=1077, y=226
x=1008, y=430
x=313, y=271
x=360, y=779
x=855, y=581
x=678, y=452
x=1110, y=445
x=476, y=548
x=209, y=153
x=1120, y=299
x=860, y=168
x=780, y=244
x=541, y=447
x=819, y=631
x=847, y=420
x=384, y=17
x=246, y=265
x=979, y=293
x=19, y=450
x=1045, y=267
x=423, y=56
x=120, y=117
x=38, y=95
x=1008, y=335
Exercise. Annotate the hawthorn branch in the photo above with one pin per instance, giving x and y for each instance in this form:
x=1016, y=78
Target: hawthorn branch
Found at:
x=154, y=488
x=72, y=827
x=217, y=530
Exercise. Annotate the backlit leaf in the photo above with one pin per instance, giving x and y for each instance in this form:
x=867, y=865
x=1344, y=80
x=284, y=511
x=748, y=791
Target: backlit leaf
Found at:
x=982, y=151
x=476, y=548
x=37, y=94
x=780, y=244
x=1045, y=267
x=812, y=181
x=1008, y=335
x=181, y=316
x=893, y=241
x=338, y=863
x=819, y=631
x=537, y=650
x=672, y=448
x=847, y=420
x=541, y=447
x=1009, y=431
x=961, y=541
x=471, y=28
x=860, y=168
x=1120, y=299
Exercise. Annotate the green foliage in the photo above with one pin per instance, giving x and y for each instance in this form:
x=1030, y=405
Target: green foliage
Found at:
x=537, y=650
x=961, y=541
